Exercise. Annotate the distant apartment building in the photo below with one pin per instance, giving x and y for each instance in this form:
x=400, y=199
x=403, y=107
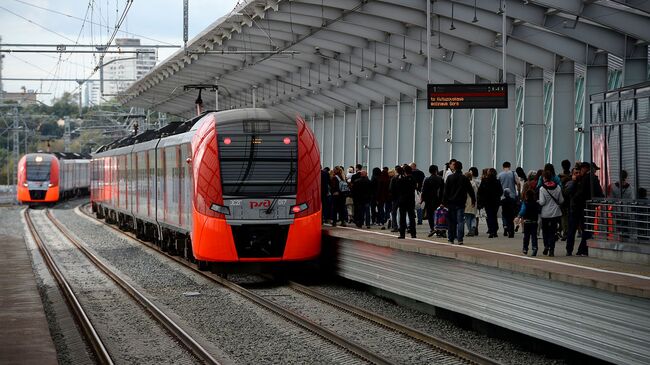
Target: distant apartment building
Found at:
x=128, y=67
x=92, y=96
x=24, y=97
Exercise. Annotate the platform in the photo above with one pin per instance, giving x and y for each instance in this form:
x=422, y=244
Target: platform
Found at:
x=24, y=333
x=506, y=253
x=593, y=306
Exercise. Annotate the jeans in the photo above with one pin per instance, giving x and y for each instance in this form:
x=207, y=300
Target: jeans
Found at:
x=491, y=219
x=470, y=219
x=403, y=212
x=530, y=234
x=456, y=223
x=419, y=213
x=393, y=213
x=549, y=230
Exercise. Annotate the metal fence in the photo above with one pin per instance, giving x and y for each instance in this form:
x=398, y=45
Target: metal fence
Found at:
x=616, y=220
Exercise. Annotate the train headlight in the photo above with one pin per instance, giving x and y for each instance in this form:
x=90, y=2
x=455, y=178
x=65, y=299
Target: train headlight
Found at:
x=50, y=185
x=220, y=209
x=295, y=209
x=25, y=184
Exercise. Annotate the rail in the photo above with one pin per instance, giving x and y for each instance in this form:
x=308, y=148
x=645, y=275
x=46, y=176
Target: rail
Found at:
x=436, y=342
x=616, y=220
x=332, y=337
x=324, y=333
x=100, y=351
x=156, y=312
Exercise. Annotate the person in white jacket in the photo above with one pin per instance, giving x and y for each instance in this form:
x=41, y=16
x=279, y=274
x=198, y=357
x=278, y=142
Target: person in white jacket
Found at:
x=550, y=199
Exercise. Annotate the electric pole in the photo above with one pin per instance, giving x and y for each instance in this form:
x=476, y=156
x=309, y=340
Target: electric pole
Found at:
x=80, y=82
x=16, y=130
x=66, y=135
x=1, y=89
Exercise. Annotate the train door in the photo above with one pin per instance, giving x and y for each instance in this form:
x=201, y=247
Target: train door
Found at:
x=161, y=206
x=133, y=182
x=179, y=168
x=186, y=187
x=150, y=186
x=140, y=183
x=152, y=204
x=171, y=185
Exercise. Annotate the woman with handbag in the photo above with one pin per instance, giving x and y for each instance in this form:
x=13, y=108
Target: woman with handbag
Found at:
x=550, y=199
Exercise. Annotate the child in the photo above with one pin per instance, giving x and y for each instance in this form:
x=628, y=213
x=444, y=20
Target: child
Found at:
x=508, y=204
x=529, y=214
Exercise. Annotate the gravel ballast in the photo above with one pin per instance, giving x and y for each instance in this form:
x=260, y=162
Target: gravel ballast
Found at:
x=129, y=334
x=246, y=332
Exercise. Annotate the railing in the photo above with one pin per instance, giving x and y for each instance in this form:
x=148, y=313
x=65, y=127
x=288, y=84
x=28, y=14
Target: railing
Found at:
x=617, y=220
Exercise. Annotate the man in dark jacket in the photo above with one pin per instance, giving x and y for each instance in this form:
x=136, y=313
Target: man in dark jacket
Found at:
x=585, y=185
x=394, y=196
x=361, y=195
x=454, y=198
x=406, y=186
x=419, y=179
x=432, y=189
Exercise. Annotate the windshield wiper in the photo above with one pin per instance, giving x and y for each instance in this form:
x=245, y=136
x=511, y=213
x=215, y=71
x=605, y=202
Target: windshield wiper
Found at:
x=285, y=184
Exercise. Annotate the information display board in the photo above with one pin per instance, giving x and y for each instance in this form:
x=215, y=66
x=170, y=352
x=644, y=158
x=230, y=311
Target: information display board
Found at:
x=467, y=96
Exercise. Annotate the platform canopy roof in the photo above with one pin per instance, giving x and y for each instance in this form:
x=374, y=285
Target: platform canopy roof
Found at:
x=319, y=56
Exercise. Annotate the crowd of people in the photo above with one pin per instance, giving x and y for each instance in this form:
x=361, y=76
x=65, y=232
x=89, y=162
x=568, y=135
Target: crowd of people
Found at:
x=403, y=197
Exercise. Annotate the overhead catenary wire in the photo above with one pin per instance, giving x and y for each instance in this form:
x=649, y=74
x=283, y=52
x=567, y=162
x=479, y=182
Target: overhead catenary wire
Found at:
x=90, y=22
x=36, y=24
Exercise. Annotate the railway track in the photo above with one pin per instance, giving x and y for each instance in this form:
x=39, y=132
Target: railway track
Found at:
x=91, y=334
x=440, y=350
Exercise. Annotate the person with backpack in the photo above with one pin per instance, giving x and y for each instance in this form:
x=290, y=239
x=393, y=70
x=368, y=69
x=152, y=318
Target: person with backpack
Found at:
x=550, y=199
x=339, y=189
x=457, y=187
x=508, y=180
x=508, y=211
x=529, y=215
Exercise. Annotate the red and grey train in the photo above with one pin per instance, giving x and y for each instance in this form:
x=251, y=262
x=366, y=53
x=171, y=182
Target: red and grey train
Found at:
x=235, y=186
x=49, y=177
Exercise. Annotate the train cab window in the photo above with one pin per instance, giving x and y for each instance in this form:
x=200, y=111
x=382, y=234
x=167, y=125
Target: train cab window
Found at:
x=258, y=164
x=38, y=171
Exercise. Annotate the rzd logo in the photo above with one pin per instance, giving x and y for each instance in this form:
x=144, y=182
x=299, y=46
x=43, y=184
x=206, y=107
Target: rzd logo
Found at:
x=259, y=204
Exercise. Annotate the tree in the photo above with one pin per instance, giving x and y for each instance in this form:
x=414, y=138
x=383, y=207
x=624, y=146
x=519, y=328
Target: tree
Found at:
x=65, y=106
x=50, y=129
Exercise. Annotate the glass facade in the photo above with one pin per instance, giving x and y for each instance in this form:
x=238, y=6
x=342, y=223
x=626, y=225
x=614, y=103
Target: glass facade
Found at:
x=620, y=142
x=620, y=135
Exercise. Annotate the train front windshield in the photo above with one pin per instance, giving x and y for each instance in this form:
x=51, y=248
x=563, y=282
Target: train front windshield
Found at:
x=258, y=164
x=38, y=171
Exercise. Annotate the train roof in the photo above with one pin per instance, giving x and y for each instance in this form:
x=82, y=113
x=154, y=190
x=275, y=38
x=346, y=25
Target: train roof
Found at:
x=62, y=155
x=168, y=130
x=182, y=127
x=71, y=155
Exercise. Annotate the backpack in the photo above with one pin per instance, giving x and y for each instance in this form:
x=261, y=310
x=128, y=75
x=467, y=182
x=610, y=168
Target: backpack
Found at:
x=344, y=188
x=441, y=217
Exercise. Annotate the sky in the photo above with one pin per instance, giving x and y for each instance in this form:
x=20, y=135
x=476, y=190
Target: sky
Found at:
x=62, y=22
